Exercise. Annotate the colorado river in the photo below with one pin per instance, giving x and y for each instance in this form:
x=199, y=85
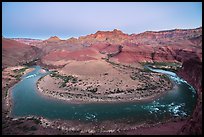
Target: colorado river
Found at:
x=178, y=102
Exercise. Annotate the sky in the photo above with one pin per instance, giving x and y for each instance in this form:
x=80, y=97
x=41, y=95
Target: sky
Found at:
x=42, y=20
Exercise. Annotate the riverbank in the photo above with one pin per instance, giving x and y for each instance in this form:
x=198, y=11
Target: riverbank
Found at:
x=11, y=76
x=117, y=127
x=32, y=125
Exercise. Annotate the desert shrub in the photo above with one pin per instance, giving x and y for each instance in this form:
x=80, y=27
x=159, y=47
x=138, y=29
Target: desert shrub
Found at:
x=94, y=90
x=105, y=74
x=20, y=70
x=165, y=77
x=36, y=121
x=6, y=92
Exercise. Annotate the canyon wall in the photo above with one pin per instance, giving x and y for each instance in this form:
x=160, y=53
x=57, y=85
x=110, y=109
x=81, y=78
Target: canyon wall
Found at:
x=17, y=53
x=192, y=73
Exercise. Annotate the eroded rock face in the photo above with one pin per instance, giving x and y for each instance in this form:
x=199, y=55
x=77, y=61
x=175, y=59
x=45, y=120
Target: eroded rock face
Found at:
x=16, y=53
x=192, y=72
x=111, y=37
x=161, y=46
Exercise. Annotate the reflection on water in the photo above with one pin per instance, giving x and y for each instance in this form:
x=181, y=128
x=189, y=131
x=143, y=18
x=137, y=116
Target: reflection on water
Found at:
x=178, y=102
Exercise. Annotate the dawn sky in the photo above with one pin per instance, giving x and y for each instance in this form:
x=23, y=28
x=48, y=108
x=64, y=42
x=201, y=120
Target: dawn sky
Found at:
x=65, y=20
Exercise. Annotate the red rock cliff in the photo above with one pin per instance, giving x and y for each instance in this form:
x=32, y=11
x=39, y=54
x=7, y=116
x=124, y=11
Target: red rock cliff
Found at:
x=192, y=73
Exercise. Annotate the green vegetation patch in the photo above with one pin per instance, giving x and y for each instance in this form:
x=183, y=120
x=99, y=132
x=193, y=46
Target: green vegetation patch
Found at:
x=19, y=73
x=18, y=76
x=146, y=70
x=91, y=89
x=169, y=66
x=65, y=79
x=6, y=91
x=164, y=77
x=161, y=63
x=20, y=70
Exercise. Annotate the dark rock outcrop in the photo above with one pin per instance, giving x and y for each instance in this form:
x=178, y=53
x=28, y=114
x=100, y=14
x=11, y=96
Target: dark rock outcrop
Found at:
x=192, y=72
